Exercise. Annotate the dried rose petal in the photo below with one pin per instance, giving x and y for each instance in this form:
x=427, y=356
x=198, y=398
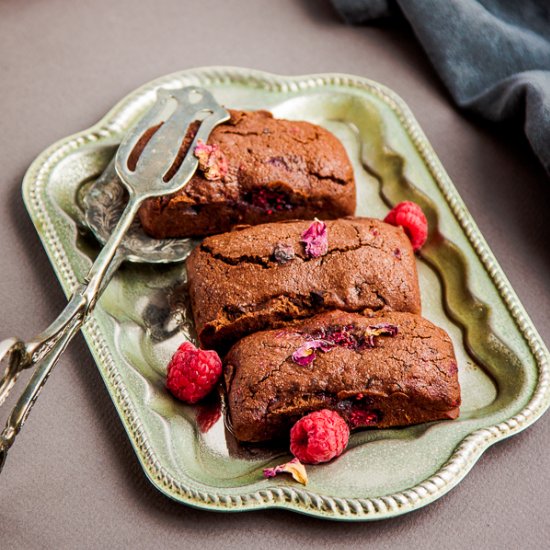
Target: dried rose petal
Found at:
x=295, y=468
x=203, y=152
x=212, y=161
x=283, y=253
x=305, y=354
x=347, y=336
x=315, y=238
x=382, y=329
x=324, y=345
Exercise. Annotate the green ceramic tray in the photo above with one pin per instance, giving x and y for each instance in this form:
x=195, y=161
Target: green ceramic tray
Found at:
x=140, y=320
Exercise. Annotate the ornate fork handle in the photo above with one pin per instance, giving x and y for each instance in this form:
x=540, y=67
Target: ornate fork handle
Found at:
x=25, y=402
x=44, y=351
x=20, y=355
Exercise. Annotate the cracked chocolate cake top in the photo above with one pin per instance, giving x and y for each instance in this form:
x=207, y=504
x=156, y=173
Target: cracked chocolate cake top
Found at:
x=262, y=277
x=276, y=169
x=407, y=376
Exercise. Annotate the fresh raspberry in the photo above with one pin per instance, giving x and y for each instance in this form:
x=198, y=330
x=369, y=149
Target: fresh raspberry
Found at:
x=192, y=373
x=319, y=437
x=410, y=216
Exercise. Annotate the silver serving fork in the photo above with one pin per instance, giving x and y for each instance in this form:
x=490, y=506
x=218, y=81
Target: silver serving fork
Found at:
x=149, y=178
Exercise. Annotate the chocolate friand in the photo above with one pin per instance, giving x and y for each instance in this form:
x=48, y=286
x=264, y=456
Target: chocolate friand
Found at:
x=270, y=275
x=396, y=369
x=255, y=168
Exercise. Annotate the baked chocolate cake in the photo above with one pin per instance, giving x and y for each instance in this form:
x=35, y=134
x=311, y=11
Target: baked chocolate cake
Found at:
x=263, y=277
x=395, y=369
x=275, y=170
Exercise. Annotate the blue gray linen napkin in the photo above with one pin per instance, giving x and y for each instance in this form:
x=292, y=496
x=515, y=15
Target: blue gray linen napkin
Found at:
x=493, y=55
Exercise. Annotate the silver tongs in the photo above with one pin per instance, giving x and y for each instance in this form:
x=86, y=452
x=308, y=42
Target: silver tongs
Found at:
x=150, y=176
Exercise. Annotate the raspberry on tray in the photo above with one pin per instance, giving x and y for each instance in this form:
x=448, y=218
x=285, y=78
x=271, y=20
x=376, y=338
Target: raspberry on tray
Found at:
x=319, y=437
x=410, y=217
x=192, y=373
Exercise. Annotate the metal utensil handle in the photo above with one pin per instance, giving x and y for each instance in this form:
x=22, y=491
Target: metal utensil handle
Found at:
x=25, y=402
x=46, y=348
x=21, y=355
x=43, y=365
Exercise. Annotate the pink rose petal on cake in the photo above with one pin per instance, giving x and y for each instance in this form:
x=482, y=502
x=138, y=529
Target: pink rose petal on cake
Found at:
x=295, y=468
x=381, y=329
x=315, y=238
x=212, y=162
x=203, y=152
x=305, y=354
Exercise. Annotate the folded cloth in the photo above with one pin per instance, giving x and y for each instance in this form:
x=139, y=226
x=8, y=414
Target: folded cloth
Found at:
x=493, y=55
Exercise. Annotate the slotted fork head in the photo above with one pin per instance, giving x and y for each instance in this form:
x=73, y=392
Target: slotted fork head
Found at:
x=192, y=104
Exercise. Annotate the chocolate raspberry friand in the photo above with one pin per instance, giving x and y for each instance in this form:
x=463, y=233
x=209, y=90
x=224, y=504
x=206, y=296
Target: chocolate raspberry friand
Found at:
x=392, y=370
x=254, y=169
x=270, y=275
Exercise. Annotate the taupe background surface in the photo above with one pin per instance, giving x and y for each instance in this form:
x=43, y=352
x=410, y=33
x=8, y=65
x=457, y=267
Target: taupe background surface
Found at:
x=72, y=480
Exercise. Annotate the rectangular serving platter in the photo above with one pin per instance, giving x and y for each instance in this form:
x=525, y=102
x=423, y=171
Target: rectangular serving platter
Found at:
x=143, y=315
